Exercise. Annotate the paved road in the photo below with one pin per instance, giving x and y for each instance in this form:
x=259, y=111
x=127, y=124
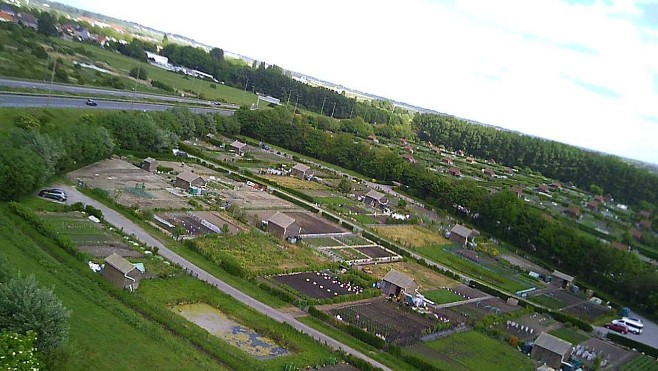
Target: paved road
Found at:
x=9, y=100
x=649, y=335
x=129, y=227
x=96, y=91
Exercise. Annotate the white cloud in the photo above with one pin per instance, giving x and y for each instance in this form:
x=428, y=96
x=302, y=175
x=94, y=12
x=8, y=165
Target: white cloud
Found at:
x=582, y=74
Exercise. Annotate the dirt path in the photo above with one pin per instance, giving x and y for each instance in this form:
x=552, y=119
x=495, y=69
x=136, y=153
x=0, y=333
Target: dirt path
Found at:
x=128, y=227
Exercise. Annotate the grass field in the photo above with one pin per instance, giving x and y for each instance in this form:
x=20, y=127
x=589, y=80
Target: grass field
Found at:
x=296, y=183
x=442, y=296
x=259, y=253
x=412, y=235
x=471, y=350
x=437, y=254
x=427, y=279
x=572, y=335
x=99, y=323
x=547, y=301
x=304, y=351
x=59, y=119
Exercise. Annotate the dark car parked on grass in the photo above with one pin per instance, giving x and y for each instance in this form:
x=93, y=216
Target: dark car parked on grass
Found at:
x=53, y=194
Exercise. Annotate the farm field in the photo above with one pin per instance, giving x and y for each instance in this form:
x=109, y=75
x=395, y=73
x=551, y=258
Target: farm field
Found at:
x=295, y=183
x=427, y=279
x=412, y=235
x=471, y=350
x=258, y=254
x=99, y=323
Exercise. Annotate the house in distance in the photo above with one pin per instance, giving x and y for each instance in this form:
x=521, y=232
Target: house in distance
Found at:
x=301, y=171
x=375, y=199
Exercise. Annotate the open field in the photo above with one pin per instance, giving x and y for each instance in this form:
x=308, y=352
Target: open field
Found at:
x=99, y=323
x=60, y=118
x=249, y=198
x=302, y=351
x=442, y=296
x=295, y=183
x=471, y=350
x=312, y=224
x=240, y=336
x=411, y=235
x=258, y=253
x=124, y=181
x=425, y=277
x=572, y=335
x=317, y=285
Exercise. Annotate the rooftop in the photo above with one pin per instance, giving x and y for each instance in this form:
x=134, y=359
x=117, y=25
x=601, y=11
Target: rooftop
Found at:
x=554, y=344
x=375, y=195
x=563, y=276
x=188, y=176
x=119, y=263
x=301, y=167
x=281, y=219
x=401, y=280
x=460, y=230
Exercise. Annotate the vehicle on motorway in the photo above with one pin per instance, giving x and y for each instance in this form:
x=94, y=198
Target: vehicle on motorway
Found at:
x=91, y=102
x=635, y=326
x=53, y=194
x=617, y=327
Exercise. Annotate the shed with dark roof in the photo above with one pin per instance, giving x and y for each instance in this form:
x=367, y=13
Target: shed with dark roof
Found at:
x=550, y=350
x=396, y=283
x=121, y=273
x=283, y=226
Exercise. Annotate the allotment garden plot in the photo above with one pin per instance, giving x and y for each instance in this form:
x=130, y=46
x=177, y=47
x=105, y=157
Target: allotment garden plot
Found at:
x=396, y=323
x=353, y=249
x=130, y=185
x=318, y=285
x=90, y=237
x=197, y=223
x=412, y=235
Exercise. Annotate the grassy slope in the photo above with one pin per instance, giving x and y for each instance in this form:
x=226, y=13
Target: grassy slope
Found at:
x=471, y=350
x=104, y=333
x=59, y=118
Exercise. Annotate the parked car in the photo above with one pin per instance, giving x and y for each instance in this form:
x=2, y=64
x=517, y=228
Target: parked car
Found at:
x=91, y=102
x=53, y=194
x=617, y=327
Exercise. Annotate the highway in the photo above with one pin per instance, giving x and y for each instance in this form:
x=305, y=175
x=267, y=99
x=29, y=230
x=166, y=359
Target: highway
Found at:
x=12, y=100
x=128, y=227
x=96, y=91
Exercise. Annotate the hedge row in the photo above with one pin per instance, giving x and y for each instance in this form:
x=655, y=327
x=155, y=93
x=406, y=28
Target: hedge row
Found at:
x=643, y=348
x=356, y=332
x=417, y=362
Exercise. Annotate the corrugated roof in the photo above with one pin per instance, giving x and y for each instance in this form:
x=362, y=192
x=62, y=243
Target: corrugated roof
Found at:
x=238, y=144
x=188, y=176
x=374, y=194
x=119, y=263
x=301, y=167
x=460, y=230
x=149, y=159
x=281, y=219
x=401, y=280
x=554, y=344
x=563, y=276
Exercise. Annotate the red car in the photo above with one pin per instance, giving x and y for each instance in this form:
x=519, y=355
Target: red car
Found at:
x=616, y=327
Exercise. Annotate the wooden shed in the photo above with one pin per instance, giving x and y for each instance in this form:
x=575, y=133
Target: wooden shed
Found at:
x=550, y=350
x=121, y=273
x=396, y=283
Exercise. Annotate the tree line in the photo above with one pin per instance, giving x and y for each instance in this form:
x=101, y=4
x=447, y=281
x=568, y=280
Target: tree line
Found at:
x=607, y=173
x=503, y=215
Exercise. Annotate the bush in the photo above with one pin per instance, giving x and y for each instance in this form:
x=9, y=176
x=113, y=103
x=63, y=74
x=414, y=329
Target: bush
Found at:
x=161, y=85
x=94, y=212
x=633, y=344
x=138, y=73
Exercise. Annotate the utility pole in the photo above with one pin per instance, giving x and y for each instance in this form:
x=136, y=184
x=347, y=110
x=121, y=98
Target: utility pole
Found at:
x=245, y=85
x=132, y=103
x=288, y=102
x=297, y=100
x=352, y=110
x=322, y=110
x=332, y=110
x=52, y=79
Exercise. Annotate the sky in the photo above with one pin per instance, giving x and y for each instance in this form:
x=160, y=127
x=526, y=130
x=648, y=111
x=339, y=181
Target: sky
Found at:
x=578, y=71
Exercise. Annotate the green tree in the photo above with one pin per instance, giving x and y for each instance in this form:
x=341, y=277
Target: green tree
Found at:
x=402, y=204
x=345, y=186
x=597, y=190
x=139, y=73
x=24, y=306
x=17, y=351
x=47, y=24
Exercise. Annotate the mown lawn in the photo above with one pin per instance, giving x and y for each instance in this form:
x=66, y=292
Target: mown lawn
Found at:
x=572, y=335
x=442, y=296
x=104, y=333
x=471, y=350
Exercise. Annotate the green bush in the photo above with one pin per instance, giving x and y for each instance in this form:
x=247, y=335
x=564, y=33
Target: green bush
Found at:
x=161, y=85
x=630, y=343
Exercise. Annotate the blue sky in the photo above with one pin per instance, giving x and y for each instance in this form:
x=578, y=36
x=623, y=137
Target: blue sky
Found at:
x=580, y=72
